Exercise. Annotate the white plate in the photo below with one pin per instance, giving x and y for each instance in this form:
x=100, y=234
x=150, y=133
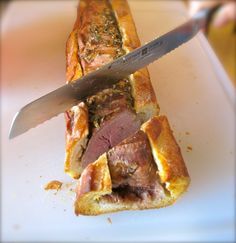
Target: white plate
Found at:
x=192, y=89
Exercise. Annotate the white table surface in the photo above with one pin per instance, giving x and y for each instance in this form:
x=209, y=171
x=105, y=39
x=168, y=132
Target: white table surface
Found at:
x=192, y=90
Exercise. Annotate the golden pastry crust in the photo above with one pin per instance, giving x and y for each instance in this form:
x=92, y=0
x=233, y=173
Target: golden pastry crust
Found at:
x=73, y=67
x=145, y=102
x=167, y=155
x=95, y=182
x=76, y=138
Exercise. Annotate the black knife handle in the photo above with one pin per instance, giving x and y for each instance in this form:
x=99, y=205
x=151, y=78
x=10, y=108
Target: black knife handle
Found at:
x=207, y=14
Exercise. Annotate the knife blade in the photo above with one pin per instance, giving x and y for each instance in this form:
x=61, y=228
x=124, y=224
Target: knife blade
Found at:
x=63, y=98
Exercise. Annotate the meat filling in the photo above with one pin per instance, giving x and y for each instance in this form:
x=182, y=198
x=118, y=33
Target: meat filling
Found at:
x=133, y=170
x=112, y=132
x=131, y=163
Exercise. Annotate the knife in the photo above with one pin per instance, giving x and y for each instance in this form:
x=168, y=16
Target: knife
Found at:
x=63, y=98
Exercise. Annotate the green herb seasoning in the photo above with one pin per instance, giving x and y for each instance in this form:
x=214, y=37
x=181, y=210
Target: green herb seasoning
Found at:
x=102, y=44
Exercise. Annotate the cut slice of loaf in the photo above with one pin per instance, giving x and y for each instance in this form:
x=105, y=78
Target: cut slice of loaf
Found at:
x=95, y=188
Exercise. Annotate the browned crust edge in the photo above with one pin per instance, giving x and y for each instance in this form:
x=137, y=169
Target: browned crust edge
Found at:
x=76, y=141
x=145, y=102
x=167, y=155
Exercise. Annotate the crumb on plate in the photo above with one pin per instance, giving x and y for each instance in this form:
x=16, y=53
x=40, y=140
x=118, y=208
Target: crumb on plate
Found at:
x=53, y=185
x=109, y=220
x=189, y=148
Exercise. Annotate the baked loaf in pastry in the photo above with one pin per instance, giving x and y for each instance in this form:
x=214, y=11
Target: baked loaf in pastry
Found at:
x=145, y=171
x=122, y=152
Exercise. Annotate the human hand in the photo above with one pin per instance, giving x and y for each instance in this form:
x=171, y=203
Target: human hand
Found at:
x=225, y=14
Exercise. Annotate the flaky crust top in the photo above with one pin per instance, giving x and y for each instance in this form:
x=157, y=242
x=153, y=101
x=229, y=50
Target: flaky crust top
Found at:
x=145, y=100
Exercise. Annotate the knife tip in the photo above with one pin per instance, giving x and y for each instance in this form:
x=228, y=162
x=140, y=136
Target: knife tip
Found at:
x=13, y=131
x=11, y=134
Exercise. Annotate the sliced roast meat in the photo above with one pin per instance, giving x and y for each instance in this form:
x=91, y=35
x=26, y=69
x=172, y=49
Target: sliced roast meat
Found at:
x=113, y=104
x=131, y=163
x=106, y=104
x=112, y=132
